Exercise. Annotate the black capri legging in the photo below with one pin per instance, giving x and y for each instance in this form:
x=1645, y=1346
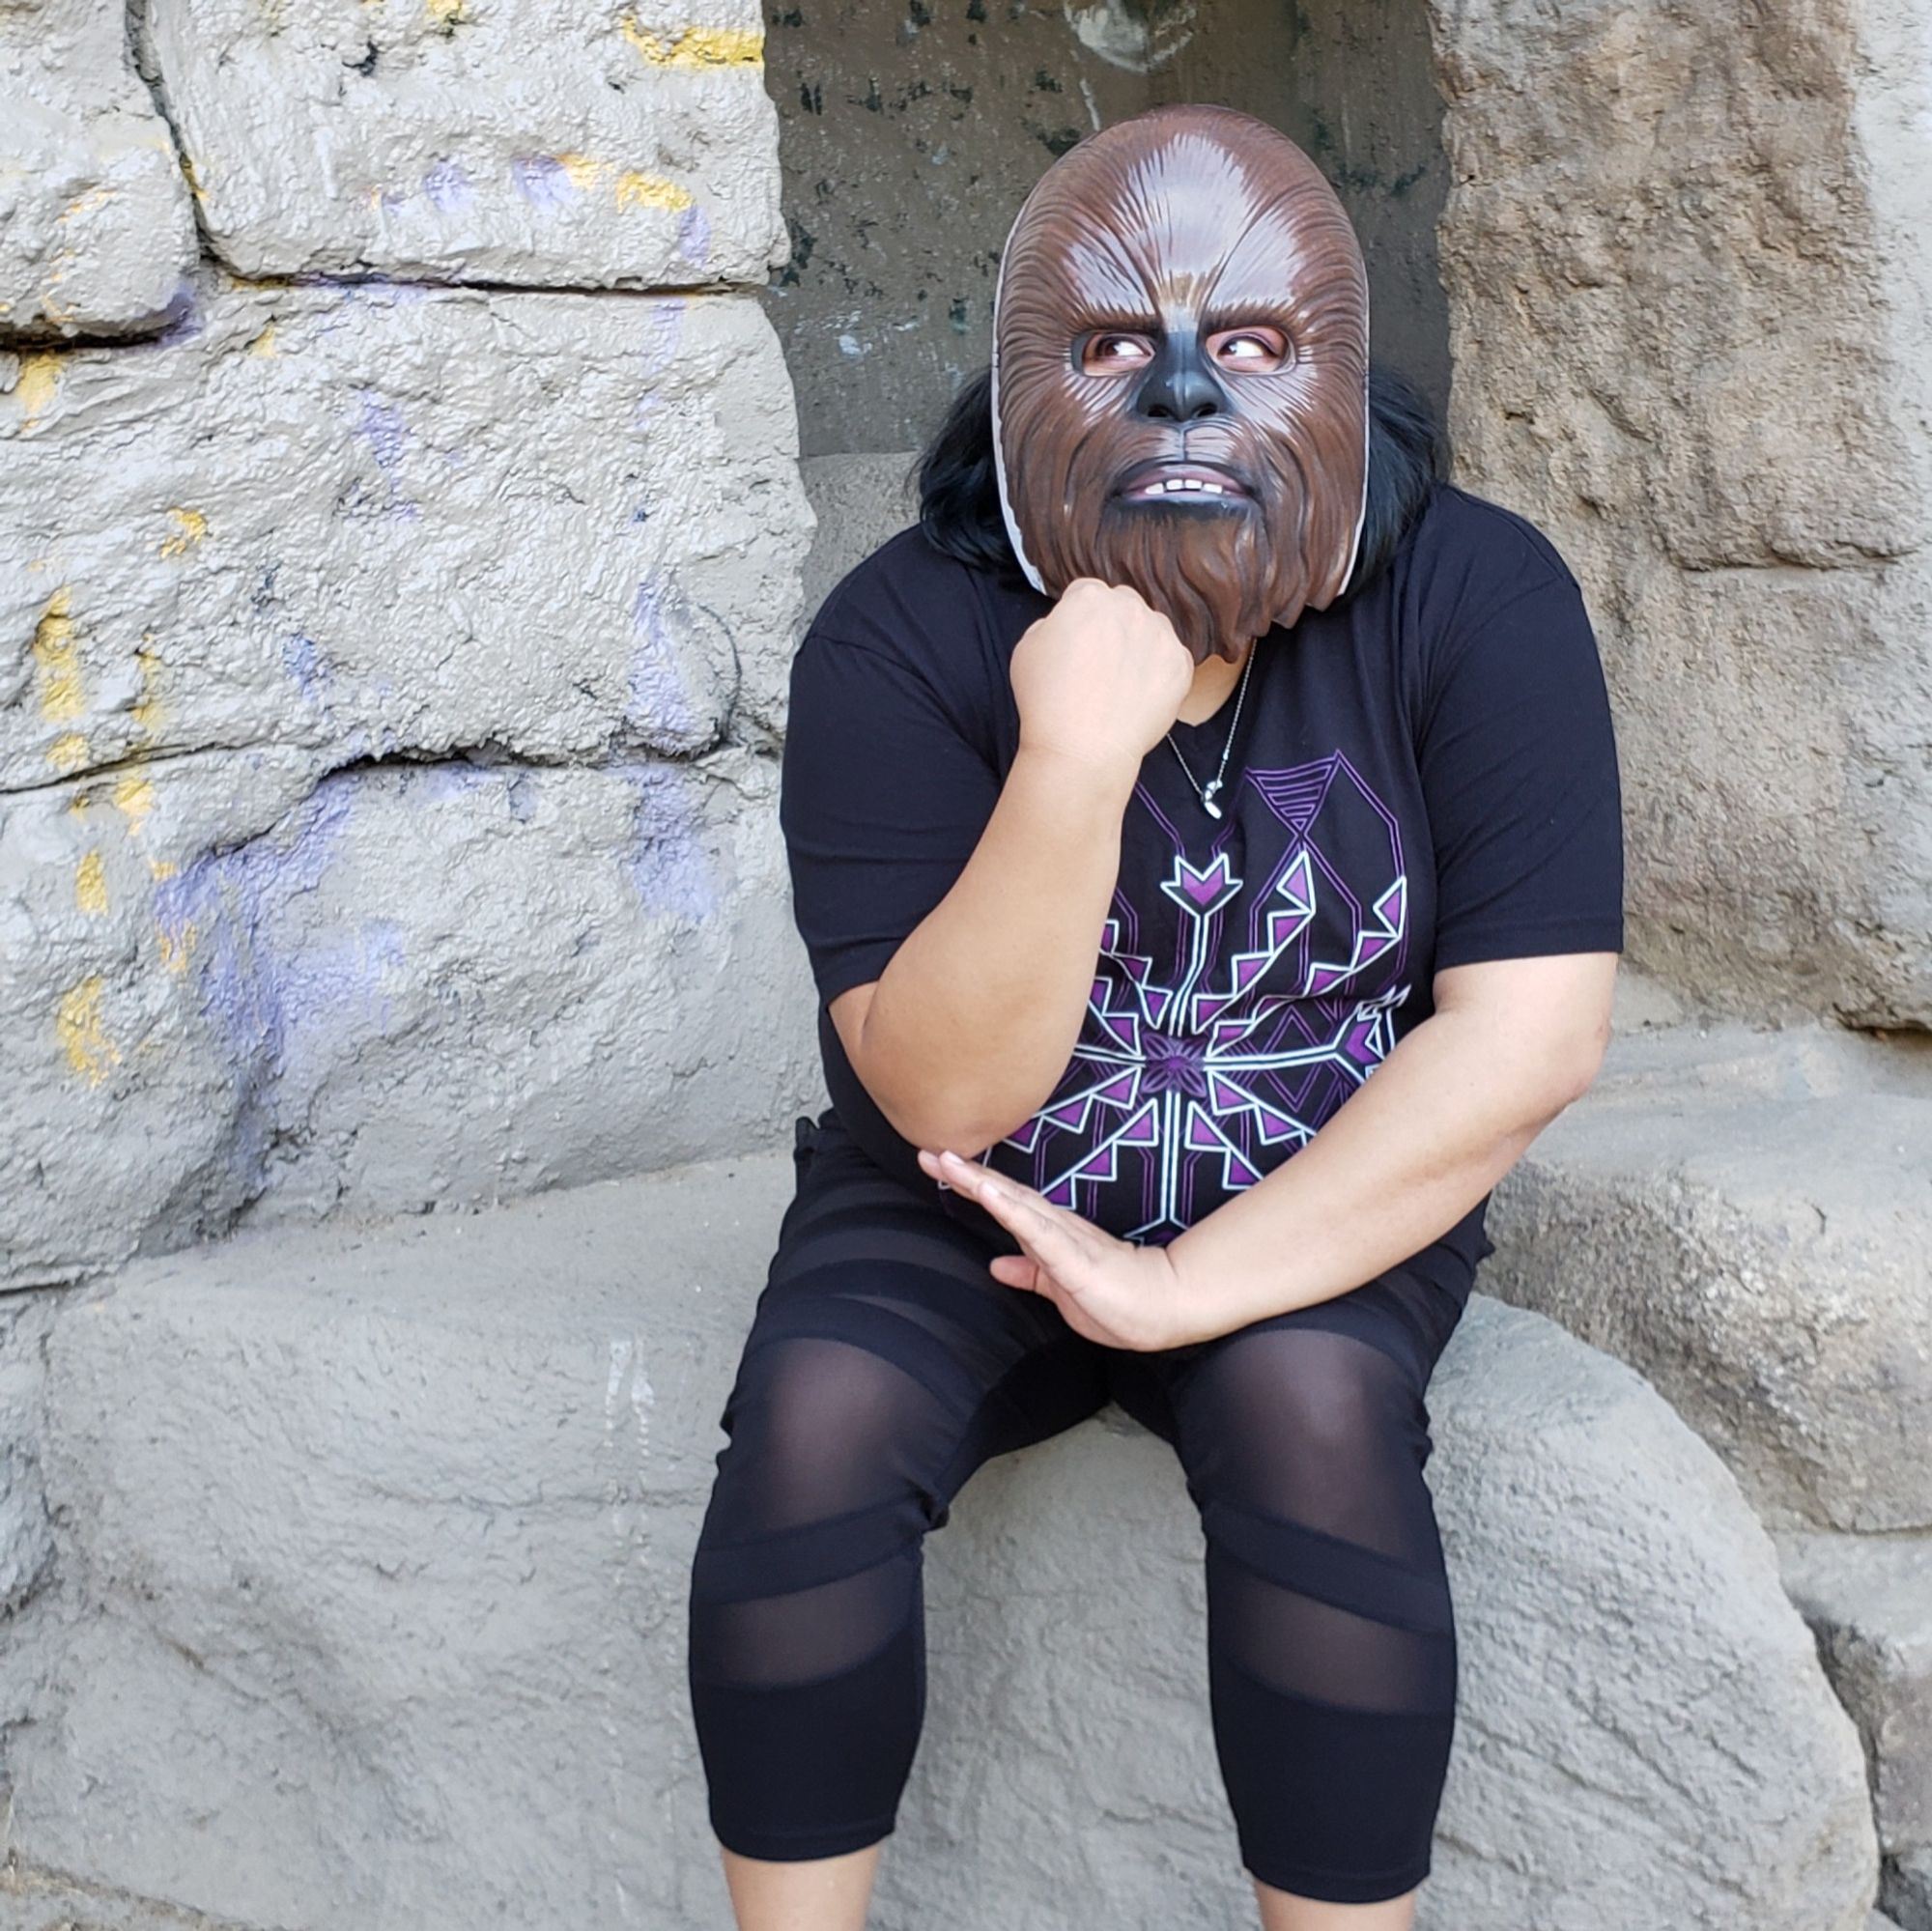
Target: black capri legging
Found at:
x=885, y=1364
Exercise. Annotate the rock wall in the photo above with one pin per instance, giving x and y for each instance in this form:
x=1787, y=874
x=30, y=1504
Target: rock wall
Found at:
x=1685, y=255
x=391, y=670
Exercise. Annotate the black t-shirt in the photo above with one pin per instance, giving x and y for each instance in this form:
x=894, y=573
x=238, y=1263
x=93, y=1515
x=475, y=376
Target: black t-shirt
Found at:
x=1424, y=777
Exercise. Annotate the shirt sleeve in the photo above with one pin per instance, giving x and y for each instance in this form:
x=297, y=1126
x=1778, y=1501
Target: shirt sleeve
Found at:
x=1519, y=764
x=882, y=801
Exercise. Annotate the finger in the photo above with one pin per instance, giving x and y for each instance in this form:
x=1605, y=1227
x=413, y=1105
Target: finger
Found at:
x=1017, y=1270
x=1050, y=1234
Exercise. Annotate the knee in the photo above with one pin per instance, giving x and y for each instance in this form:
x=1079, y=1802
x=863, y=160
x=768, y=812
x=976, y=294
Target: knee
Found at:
x=1311, y=1394
x=824, y=1428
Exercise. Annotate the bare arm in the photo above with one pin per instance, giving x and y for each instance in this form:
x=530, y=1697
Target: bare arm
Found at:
x=977, y=1014
x=1511, y=1044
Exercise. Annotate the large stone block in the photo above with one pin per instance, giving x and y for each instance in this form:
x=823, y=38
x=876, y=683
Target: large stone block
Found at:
x=373, y=1559
x=1685, y=257
x=422, y=986
x=1869, y=1600
x=97, y=235
x=528, y=141
x=1743, y=1216
x=371, y=521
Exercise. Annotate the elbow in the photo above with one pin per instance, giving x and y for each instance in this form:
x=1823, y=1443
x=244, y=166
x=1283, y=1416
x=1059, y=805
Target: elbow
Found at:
x=1574, y=1065
x=942, y=1123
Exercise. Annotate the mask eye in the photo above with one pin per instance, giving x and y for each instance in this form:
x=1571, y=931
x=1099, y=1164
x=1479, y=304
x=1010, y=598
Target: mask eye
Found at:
x=1260, y=349
x=1108, y=350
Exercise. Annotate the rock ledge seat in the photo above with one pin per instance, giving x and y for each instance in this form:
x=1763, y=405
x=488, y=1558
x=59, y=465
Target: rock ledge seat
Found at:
x=366, y=1609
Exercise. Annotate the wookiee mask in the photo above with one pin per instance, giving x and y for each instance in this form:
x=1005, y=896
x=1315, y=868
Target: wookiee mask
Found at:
x=1139, y=435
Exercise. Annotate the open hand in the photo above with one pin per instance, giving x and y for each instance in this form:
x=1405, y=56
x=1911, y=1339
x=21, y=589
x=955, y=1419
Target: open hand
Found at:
x=1112, y=1290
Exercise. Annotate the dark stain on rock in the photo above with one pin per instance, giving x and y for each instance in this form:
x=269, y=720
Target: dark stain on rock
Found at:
x=790, y=18
x=957, y=315
x=1044, y=83
x=975, y=9
x=1055, y=141
x=921, y=13
x=872, y=102
x=803, y=241
x=812, y=97
x=367, y=64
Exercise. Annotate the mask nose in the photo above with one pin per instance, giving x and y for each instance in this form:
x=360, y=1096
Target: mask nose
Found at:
x=1180, y=385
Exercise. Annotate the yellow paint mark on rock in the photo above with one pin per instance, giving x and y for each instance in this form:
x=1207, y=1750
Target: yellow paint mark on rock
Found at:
x=636, y=189
x=175, y=947
x=36, y=387
x=697, y=47
x=190, y=527
x=162, y=867
x=68, y=752
x=263, y=344
x=135, y=799
x=57, y=661
x=77, y=1026
x=86, y=203
x=90, y=884
x=581, y=170
x=445, y=13
x=193, y=180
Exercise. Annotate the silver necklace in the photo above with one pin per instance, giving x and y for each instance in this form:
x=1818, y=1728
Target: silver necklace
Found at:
x=1216, y=783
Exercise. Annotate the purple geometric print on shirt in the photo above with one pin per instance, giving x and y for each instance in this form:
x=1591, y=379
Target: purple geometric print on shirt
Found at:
x=1185, y=1089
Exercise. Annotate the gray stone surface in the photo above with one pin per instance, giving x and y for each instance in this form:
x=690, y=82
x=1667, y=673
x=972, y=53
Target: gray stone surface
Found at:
x=859, y=502
x=1744, y=1215
x=1905, y=1890
x=386, y=793
x=1689, y=305
x=528, y=142
x=374, y=521
x=372, y=1554
x=910, y=136
x=1869, y=1600
x=96, y=234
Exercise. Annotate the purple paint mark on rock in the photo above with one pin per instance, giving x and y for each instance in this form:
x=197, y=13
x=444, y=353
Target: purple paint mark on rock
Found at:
x=277, y=981
x=542, y=180
x=660, y=346
x=447, y=185
x=303, y=660
x=694, y=234
x=657, y=695
x=668, y=867
x=382, y=425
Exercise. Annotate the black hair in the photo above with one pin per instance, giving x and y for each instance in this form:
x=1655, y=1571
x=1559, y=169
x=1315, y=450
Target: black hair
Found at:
x=959, y=496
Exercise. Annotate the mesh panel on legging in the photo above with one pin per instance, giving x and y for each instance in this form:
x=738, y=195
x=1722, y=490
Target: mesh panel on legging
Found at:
x=1331, y=1635
x=883, y=1365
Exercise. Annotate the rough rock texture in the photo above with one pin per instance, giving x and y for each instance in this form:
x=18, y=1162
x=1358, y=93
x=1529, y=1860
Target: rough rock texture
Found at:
x=386, y=812
x=1744, y=1216
x=373, y=1548
x=96, y=234
x=1869, y=1600
x=1906, y=1891
x=532, y=141
x=373, y=521
x=1685, y=257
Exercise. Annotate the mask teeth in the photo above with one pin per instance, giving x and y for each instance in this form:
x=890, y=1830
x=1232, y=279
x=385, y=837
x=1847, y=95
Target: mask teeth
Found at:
x=1183, y=486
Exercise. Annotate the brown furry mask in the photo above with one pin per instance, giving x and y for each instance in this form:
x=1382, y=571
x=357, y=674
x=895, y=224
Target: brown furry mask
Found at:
x=1179, y=379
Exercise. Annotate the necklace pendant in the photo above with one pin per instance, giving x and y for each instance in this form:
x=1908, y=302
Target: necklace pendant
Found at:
x=1209, y=805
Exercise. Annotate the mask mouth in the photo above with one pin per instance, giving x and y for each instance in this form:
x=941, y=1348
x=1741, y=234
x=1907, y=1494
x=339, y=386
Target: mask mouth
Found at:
x=1168, y=482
